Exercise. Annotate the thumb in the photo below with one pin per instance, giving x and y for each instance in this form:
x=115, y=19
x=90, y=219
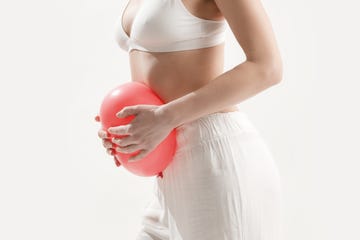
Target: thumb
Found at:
x=97, y=118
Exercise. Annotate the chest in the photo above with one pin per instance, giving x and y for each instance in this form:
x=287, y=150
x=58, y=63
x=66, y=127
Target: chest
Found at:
x=156, y=24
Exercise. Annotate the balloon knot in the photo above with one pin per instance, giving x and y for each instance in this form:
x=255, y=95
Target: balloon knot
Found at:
x=160, y=175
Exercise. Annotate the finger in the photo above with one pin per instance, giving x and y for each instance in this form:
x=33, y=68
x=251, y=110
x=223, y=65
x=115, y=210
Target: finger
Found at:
x=120, y=130
x=127, y=111
x=128, y=149
x=103, y=134
x=124, y=141
x=108, y=144
x=110, y=151
x=97, y=118
x=138, y=157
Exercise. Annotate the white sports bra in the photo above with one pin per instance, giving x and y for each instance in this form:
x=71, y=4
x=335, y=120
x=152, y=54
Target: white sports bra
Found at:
x=167, y=26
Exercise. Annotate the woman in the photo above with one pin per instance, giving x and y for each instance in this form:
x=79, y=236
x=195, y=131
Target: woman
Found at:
x=222, y=183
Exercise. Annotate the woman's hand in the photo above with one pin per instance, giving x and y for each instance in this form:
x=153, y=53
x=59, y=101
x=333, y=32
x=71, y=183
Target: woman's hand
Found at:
x=145, y=132
x=107, y=142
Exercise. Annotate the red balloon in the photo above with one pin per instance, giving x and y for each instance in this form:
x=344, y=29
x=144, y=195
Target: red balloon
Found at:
x=130, y=94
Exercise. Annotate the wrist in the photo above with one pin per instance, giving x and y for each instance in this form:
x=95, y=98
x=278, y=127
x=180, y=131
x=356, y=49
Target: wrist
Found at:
x=170, y=115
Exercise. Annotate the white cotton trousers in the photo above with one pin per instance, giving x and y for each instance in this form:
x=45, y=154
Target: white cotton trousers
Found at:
x=222, y=184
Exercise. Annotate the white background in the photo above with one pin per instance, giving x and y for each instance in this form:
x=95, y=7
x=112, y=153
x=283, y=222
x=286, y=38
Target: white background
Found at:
x=59, y=58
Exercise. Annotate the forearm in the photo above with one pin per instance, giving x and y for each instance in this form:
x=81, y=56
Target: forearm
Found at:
x=230, y=88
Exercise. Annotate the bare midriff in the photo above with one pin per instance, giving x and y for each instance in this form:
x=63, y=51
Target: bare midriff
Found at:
x=174, y=74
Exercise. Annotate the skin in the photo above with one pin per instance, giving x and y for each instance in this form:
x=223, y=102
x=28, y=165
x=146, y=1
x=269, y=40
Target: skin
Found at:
x=195, y=77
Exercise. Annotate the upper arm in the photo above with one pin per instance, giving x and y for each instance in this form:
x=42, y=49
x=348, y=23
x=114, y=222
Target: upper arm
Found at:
x=252, y=29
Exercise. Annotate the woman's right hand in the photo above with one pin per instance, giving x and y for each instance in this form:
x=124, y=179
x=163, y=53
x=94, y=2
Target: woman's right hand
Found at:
x=107, y=143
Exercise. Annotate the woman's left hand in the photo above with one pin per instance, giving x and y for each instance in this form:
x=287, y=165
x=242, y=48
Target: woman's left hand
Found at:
x=146, y=131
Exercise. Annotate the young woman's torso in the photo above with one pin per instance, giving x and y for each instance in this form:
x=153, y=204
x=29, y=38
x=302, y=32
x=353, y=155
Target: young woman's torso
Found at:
x=174, y=74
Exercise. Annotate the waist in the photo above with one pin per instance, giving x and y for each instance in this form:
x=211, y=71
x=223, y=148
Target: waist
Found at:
x=213, y=126
x=228, y=109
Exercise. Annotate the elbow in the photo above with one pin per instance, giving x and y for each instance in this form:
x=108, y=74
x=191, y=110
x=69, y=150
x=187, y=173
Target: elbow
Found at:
x=272, y=73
